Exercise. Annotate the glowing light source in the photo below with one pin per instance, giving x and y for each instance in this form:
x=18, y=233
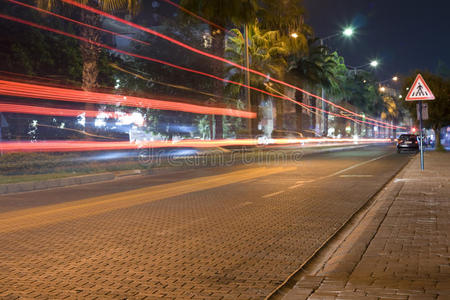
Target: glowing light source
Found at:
x=348, y=32
x=294, y=35
x=382, y=89
x=374, y=63
x=395, y=78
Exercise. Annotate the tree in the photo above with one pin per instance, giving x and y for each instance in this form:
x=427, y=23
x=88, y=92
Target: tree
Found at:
x=89, y=52
x=438, y=109
x=287, y=17
x=315, y=69
x=222, y=13
x=268, y=53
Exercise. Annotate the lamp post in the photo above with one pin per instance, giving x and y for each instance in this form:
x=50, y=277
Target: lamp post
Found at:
x=247, y=82
x=348, y=33
x=387, y=89
x=394, y=79
x=373, y=64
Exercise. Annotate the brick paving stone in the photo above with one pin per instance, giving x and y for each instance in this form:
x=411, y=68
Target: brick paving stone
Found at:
x=180, y=247
x=400, y=248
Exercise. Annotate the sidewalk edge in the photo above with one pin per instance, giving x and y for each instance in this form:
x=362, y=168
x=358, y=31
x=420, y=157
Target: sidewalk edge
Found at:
x=337, y=237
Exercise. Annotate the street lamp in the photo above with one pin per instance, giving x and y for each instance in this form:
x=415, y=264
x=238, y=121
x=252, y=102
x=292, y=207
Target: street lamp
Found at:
x=294, y=35
x=348, y=32
x=395, y=79
x=373, y=64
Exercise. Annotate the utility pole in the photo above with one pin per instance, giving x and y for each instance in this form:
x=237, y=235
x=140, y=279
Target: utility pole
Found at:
x=324, y=108
x=247, y=79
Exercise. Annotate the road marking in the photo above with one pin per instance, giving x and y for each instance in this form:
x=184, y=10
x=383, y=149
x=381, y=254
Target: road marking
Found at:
x=273, y=194
x=357, y=165
x=295, y=186
x=244, y=204
x=405, y=179
x=352, y=176
x=305, y=181
x=50, y=214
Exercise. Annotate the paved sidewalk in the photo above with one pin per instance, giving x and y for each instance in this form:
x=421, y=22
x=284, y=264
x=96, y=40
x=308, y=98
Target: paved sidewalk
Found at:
x=400, y=248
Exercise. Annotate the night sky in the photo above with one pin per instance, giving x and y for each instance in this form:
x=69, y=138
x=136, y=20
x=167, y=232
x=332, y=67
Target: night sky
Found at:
x=404, y=35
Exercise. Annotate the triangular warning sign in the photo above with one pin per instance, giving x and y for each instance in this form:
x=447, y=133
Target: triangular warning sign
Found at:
x=419, y=90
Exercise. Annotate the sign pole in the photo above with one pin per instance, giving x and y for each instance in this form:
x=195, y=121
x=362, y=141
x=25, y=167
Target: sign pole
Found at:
x=419, y=92
x=421, y=136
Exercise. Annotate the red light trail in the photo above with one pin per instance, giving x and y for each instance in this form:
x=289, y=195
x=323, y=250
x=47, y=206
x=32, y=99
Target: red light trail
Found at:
x=46, y=111
x=79, y=146
x=59, y=112
x=78, y=22
x=28, y=90
x=182, y=68
x=176, y=42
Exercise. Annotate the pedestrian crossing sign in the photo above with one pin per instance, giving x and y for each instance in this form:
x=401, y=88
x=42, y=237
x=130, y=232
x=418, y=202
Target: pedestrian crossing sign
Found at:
x=419, y=90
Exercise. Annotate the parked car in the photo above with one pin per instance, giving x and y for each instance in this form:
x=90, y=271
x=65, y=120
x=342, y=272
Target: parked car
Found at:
x=408, y=142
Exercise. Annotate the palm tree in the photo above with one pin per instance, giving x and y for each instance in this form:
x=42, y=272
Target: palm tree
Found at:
x=222, y=13
x=268, y=52
x=316, y=69
x=287, y=17
x=391, y=111
x=89, y=52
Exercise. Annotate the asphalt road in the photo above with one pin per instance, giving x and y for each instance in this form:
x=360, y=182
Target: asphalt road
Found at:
x=232, y=232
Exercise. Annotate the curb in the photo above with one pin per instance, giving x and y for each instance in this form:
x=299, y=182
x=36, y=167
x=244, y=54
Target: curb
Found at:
x=21, y=187
x=337, y=237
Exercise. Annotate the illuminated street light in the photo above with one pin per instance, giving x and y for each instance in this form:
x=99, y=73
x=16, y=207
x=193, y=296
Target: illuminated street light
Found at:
x=395, y=79
x=400, y=96
x=382, y=89
x=348, y=32
x=294, y=35
x=373, y=64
